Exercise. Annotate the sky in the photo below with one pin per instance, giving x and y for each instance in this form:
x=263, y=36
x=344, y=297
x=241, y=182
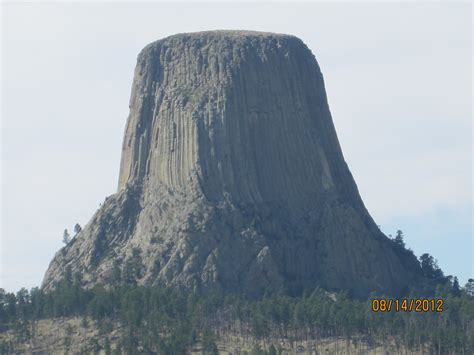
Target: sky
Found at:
x=398, y=78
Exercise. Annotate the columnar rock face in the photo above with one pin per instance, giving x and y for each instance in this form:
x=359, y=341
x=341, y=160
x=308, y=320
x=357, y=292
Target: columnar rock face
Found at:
x=232, y=179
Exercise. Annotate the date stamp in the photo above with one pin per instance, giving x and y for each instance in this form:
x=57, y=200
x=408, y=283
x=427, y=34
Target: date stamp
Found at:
x=407, y=305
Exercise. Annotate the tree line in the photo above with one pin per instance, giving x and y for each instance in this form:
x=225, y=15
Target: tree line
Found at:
x=168, y=321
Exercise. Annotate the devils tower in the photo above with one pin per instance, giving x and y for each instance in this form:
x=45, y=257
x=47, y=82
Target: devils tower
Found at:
x=232, y=178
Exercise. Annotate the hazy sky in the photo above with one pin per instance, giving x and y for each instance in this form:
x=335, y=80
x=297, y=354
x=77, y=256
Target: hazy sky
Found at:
x=398, y=78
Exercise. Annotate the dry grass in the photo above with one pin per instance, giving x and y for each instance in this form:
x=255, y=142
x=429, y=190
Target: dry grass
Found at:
x=50, y=335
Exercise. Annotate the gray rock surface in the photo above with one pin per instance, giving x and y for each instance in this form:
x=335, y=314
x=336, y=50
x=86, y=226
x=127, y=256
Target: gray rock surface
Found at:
x=232, y=178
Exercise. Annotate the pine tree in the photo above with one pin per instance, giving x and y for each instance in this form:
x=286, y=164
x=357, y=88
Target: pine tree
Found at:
x=77, y=228
x=431, y=270
x=84, y=322
x=107, y=349
x=272, y=350
x=116, y=274
x=456, y=289
x=66, y=237
x=469, y=287
x=68, y=337
x=398, y=240
x=209, y=345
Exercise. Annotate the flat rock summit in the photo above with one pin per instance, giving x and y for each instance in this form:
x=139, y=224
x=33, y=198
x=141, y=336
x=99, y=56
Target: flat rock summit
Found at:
x=232, y=179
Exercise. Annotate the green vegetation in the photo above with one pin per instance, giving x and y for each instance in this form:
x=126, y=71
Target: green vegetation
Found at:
x=77, y=228
x=170, y=322
x=66, y=237
x=166, y=321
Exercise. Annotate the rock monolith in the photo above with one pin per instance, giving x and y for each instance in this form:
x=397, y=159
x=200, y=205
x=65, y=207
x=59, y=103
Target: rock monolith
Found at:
x=232, y=178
